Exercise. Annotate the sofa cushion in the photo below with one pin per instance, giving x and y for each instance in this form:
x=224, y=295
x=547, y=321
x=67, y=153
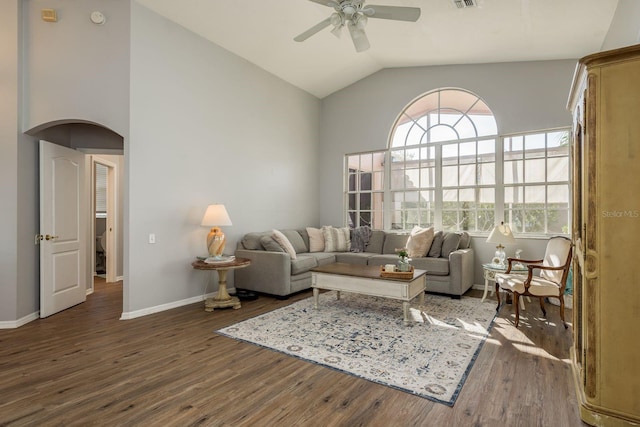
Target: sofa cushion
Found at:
x=268, y=244
x=419, y=241
x=352, y=257
x=436, y=245
x=336, y=239
x=303, y=263
x=376, y=242
x=323, y=258
x=449, y=244
x=465, y=240
x=316, y=239
x=296, y=241
x=305, y=237
x=284, y=243
x=393, y=242
x=434, y=266
x=251, y=241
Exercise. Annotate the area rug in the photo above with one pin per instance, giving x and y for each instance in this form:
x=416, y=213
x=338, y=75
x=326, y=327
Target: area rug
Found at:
x=366, y=337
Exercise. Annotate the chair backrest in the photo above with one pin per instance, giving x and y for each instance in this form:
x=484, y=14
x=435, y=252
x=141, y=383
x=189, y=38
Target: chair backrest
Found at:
x=556, y=255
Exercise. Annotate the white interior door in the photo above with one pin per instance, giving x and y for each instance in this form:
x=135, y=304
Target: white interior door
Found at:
x=63, y=235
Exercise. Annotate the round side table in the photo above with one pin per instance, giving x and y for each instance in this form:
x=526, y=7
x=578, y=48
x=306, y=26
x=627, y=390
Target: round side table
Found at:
x=489, y=272
x=222, y=299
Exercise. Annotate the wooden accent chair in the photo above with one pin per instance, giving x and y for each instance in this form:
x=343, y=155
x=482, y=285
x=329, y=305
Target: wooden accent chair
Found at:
x=551, y=281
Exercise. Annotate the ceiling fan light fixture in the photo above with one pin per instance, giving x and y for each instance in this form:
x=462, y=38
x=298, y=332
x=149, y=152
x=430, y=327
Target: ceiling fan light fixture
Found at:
x=336, y=19
x=361, y=22
x=349, y=10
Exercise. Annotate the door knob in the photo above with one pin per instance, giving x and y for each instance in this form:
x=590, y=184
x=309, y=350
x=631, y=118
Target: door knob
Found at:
x=50, y=237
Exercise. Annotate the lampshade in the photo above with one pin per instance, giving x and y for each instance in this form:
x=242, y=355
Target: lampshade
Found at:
x=501, y=235
x=216, y=215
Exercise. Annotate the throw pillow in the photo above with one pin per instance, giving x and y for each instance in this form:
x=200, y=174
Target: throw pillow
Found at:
x=436, y=246
x=419, y=241
x=296, y=240
x=284, y=243
x=336, y=239
x=316, y=239
x=465, y=240
x=269, y=244
x=450, y=243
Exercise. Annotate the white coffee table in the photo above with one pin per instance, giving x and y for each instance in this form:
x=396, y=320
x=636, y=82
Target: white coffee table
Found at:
x=366, y=280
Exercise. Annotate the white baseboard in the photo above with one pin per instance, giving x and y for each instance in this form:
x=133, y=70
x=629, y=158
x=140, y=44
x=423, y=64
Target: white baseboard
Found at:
x=478, y=287
x=162, y=307
x=20, y=322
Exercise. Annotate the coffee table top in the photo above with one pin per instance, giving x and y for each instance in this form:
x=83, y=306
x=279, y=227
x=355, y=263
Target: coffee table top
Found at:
x=358, y=270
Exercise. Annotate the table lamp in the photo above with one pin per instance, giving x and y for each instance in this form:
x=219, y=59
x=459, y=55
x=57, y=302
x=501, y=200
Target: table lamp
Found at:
x=215, y=216
x=501, y=235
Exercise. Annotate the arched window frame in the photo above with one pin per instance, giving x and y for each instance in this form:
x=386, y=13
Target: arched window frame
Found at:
x=452, y=133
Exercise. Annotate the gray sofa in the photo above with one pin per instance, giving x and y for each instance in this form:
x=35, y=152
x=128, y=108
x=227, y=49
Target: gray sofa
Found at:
x=449, y=262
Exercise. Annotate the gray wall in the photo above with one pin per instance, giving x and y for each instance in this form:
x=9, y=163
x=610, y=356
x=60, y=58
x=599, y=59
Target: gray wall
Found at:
x=625, y=26
x=523, y=97
x=207, y=127
x=9, y=71
x=75, y=69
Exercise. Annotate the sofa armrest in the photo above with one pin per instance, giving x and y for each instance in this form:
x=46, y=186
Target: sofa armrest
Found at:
x=269, y=272
x=461, y=265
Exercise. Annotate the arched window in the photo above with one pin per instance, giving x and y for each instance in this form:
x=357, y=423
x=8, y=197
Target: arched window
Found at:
x=443, y=163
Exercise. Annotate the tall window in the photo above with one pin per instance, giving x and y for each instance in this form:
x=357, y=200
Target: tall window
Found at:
x=365, y=186
x=443, y=163
x=536, y=182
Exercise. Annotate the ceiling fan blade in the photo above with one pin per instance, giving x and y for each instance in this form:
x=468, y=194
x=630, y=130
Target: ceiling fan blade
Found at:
x=360, y=40
x=311, y=31
x=397, y=13
x=330, y=3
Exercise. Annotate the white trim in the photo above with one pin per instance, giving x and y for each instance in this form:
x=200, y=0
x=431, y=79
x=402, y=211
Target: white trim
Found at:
x=20, y=322
x=168, y=306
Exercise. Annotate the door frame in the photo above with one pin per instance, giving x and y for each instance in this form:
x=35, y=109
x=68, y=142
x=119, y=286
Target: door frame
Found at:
x=111, y=224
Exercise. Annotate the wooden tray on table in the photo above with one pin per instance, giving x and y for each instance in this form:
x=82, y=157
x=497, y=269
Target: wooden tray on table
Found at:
x=406, y=275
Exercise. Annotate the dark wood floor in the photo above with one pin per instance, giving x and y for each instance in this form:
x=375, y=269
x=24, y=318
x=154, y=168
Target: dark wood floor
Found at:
x=85, y=367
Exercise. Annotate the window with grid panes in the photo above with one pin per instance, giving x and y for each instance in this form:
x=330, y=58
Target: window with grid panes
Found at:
x=365, y=187
x=536, y=182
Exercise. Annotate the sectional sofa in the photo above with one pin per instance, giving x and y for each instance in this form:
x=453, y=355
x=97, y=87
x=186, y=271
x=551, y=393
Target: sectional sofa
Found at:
x=449, y=261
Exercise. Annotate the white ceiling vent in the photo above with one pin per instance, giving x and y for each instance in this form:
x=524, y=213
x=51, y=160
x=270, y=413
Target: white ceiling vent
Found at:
x=461, y=4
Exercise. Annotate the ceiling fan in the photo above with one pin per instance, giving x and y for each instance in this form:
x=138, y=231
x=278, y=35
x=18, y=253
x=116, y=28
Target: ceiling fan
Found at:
x=354, y=14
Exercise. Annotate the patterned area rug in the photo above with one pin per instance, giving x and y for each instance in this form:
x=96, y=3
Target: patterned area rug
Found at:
x=365, y=336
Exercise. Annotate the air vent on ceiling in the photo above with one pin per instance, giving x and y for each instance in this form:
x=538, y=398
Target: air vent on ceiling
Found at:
x=461, y=4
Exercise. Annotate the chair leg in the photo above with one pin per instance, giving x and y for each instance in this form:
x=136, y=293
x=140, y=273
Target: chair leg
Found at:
x=544, y=312
x=561, y=298
x=498, y=296
x=515, y=303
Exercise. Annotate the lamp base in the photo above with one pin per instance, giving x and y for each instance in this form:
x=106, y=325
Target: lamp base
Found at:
x=216, y=242
x=500, y=256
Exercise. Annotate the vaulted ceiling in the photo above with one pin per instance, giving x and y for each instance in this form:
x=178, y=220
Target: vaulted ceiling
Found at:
x=262, y=32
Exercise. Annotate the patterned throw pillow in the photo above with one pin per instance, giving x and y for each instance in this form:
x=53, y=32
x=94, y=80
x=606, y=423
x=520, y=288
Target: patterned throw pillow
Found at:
x=316, y=239
x=336, y=239
x=419, y=241
x=284, y=243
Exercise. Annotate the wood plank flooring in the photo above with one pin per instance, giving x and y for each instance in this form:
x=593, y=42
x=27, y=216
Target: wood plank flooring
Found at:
x=85, y=367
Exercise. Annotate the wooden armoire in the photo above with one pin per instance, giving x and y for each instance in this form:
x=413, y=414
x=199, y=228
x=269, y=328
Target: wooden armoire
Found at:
x=605, y=101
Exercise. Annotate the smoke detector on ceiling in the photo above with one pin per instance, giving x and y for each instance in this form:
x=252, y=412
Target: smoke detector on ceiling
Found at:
x=461, y=4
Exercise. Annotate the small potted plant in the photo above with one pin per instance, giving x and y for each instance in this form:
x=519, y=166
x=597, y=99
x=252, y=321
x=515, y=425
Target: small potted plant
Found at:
x=403, y=262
